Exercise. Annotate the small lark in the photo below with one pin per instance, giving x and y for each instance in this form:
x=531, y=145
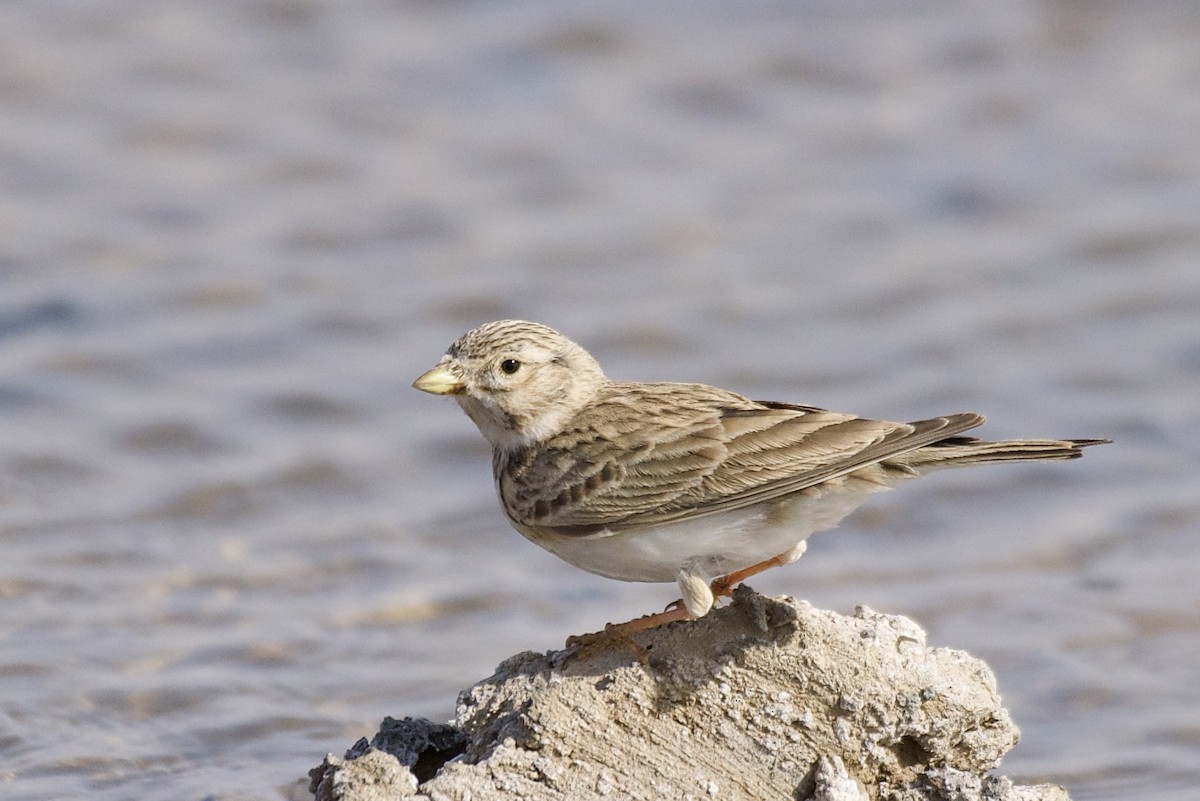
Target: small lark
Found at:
x=680, y=482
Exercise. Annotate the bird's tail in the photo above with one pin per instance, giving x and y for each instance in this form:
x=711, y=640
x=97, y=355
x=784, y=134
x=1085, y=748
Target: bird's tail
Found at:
x=956, y=451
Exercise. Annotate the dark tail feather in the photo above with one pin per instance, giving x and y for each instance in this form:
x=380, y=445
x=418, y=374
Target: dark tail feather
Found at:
x=955, y=451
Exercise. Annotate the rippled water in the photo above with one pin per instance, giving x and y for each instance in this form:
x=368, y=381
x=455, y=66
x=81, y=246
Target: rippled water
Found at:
x=232, y=538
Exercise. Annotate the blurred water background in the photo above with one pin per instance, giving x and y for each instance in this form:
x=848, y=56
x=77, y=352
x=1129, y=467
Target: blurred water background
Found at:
x=232, y=538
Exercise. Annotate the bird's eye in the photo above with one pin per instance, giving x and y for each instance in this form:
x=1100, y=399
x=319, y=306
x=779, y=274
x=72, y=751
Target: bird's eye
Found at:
x=509, y=366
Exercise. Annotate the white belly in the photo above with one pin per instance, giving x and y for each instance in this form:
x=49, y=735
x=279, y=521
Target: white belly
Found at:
x=713, y=545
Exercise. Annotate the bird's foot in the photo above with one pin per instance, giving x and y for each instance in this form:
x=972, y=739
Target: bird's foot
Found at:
x=620, y=632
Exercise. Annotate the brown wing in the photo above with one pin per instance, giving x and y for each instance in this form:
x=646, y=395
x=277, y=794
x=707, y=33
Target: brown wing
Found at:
x=657, y=453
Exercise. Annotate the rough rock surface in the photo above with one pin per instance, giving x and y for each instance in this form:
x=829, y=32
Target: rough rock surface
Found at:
x=764, y=699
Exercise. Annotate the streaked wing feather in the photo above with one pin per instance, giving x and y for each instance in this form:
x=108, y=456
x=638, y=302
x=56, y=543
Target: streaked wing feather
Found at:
x=841, y=447
x=687, y=454
x=580, y=480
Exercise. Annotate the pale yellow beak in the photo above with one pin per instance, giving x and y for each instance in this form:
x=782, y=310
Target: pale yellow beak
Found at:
x=440, y=381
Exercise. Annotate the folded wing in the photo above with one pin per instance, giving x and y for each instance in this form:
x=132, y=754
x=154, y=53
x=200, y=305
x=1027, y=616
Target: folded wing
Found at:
x=647, y=454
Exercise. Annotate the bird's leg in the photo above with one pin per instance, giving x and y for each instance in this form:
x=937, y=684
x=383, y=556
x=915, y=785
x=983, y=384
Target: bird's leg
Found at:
x=621, y=631
x=696, y=601
x=722, y=587
x=698, y=597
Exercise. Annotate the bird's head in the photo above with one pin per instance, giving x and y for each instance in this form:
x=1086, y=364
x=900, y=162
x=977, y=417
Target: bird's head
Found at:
x=519, y=381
